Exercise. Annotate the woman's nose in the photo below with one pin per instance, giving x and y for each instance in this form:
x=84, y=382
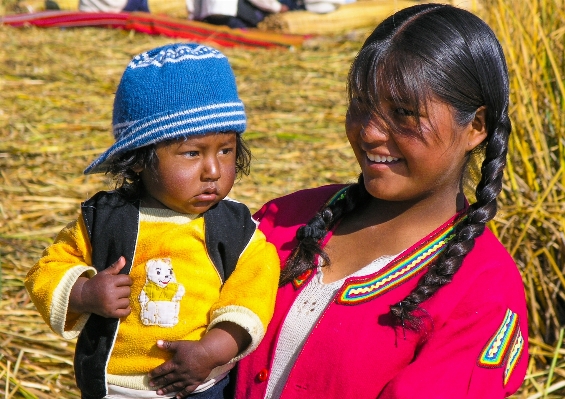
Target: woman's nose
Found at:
x=374, y=131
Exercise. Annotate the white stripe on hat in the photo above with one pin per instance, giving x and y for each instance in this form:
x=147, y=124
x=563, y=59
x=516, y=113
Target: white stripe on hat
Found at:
x=172, y=116
x=179, y=133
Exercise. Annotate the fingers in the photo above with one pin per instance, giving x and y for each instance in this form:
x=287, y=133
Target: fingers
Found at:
x=185, y=392
x=165, y=378
x=108, y=292
x=181, y=390
x=171, y=382
x=156, y=375
x=166, y=345
x=115, y=267
x=122, y=308
x=114, y=270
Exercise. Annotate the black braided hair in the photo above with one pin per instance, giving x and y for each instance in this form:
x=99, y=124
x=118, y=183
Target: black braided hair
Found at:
x=423, y=51
x=311, y=235
x=478, y=214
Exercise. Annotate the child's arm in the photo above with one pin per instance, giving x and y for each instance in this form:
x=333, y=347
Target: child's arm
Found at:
x=56, y=282
x=238, y=320
x=192, y=361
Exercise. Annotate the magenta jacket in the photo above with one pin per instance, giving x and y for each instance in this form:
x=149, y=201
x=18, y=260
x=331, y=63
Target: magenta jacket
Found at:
x=475, y=347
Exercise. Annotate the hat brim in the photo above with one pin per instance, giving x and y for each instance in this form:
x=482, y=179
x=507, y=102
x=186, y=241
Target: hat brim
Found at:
x=218, y=118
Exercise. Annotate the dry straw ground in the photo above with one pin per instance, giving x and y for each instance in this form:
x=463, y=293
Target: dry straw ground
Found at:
x=55, y=109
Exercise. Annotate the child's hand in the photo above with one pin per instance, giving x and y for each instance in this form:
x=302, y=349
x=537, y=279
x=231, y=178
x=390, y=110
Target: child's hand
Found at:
x=106, y=294
x=190, y=365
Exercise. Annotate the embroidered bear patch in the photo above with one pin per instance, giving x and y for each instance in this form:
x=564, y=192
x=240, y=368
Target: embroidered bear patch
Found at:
x=161, y=294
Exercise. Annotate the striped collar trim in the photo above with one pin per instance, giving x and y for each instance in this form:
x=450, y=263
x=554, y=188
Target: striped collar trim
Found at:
x=406, y=266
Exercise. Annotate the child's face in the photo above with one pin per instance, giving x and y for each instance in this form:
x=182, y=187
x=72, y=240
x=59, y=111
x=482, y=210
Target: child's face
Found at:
x=406, y=167
x=192, y=174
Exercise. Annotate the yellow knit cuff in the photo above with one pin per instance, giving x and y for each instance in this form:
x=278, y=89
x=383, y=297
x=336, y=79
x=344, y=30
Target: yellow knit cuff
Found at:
x=60, y=303
x=243, y=317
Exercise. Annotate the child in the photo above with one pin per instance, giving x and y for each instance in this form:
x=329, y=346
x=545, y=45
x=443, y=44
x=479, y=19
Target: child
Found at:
x=393, y=287
x=167, y=281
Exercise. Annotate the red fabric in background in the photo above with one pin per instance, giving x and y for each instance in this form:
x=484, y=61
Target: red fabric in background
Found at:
x=155, y=25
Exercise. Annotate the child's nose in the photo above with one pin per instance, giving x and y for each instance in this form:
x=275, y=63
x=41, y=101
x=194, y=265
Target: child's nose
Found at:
x=211, y=169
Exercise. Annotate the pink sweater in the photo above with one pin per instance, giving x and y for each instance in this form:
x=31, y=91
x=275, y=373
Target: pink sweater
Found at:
x=477, y=347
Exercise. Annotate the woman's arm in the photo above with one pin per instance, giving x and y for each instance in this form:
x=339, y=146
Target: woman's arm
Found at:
x=479, y=352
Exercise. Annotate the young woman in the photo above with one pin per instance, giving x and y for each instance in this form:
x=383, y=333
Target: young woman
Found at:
x=393, y=287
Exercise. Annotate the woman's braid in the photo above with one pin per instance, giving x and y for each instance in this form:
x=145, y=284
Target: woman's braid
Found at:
x=311, y=235
x=478, y=214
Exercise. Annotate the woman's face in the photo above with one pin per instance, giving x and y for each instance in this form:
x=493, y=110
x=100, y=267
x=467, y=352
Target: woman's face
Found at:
x=418, y=166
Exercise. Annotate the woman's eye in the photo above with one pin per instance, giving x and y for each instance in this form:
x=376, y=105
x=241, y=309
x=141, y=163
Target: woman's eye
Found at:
x=191, y=154
x=404, y=112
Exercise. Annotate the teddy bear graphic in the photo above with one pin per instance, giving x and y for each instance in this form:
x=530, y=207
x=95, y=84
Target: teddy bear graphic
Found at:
x=160, y=295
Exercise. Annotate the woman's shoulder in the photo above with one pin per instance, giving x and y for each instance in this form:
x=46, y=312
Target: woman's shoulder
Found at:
x=489, y=250
x=490, y=264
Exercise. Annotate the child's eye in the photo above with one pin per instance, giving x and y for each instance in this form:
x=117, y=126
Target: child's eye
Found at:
x=191, y=154
x=226, y=151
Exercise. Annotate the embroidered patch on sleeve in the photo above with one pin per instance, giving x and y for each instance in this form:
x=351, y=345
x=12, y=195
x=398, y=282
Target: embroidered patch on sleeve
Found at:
x=495, y=352
x=514, y=357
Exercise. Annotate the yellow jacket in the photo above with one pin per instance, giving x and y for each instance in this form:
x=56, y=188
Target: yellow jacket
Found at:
x=183, y=306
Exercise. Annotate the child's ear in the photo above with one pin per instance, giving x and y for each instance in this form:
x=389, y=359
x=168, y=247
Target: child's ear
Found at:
x=137, y=168
x=477, y=129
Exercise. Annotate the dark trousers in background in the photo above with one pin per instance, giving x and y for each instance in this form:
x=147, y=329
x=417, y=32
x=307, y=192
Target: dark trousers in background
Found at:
x=249, y=16
x=222, y=390
x=136, y=5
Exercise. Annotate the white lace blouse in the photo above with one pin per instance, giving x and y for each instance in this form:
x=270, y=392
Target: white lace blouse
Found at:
x=301, y=318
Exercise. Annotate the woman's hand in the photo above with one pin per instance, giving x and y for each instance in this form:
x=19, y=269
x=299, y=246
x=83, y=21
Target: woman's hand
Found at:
x=105, y=294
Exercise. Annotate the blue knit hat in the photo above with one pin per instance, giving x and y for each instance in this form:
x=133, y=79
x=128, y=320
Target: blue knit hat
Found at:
x=173, y=91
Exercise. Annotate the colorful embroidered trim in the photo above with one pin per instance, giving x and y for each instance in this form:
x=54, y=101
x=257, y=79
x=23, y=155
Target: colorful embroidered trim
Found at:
x=298, y=281
x=515, y=354
x=400, y=271
x=494, y=353
x=337, y=196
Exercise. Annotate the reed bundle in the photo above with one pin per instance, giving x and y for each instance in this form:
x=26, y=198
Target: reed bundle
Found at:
x=172, y=8
x=55, y=113
x=531, y=222
x=363, y=13
x=346, y=17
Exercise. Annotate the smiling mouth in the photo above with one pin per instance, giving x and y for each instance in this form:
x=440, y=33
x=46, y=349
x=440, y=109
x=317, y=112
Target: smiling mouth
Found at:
x=381, y=159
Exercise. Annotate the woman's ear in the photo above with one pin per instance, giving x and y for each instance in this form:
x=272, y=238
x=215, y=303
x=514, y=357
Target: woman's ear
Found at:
x=477, y=129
